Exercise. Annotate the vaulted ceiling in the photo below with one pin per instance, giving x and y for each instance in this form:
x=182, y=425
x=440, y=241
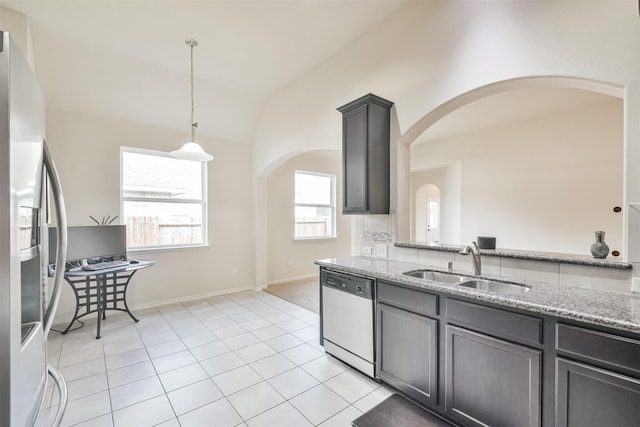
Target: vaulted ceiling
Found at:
x=127, y=60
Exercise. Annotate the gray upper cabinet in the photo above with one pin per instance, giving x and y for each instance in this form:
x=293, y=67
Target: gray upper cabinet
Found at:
x=365, y=155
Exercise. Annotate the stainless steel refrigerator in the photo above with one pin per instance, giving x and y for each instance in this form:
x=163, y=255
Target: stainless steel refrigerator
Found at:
x=28, y=299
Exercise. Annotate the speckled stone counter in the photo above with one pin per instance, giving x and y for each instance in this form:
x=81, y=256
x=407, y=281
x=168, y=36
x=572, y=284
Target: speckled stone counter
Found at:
x=527, y=255
x=596, y=307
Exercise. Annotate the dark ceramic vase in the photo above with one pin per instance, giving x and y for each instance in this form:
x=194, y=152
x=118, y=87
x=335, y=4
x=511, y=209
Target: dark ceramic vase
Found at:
x=599, y=249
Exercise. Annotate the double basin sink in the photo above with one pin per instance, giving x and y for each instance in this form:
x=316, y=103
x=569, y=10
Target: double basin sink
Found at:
x=469, y=282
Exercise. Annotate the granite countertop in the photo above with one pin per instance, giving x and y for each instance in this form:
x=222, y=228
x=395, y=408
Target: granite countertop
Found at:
x=596, y=307
x=527, y=255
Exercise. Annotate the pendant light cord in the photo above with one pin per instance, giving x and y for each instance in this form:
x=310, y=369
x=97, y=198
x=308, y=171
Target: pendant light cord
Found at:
x=194, y=124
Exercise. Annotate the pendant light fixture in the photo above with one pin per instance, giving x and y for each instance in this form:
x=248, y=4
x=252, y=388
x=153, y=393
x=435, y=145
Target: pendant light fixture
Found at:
x=192, y=150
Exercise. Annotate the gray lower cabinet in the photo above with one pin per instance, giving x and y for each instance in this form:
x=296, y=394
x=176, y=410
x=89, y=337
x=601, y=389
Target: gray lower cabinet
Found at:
x=589, y=396
x=407, y=352
x=491, y=382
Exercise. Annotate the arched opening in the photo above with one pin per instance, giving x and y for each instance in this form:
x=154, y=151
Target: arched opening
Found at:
x=540, y=164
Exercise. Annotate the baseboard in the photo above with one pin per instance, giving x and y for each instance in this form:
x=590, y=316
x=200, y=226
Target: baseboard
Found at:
x=293, y=280
x=192, y=297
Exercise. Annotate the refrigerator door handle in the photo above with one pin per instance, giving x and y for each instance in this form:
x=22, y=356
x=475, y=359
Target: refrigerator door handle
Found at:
x=61, y=252
x=62, y=388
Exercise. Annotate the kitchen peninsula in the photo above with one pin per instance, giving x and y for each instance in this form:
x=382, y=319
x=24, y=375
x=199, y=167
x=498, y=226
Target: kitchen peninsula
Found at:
x=549, y=355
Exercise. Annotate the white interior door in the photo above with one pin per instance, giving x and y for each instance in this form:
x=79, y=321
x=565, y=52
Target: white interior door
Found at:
x=433, y=220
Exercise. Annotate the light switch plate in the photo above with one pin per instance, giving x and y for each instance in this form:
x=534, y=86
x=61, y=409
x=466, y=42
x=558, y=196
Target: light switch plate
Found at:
x=381, y=251
x=635, y=284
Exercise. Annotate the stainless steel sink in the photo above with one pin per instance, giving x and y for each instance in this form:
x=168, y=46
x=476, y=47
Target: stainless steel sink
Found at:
x=497, y=287
x=436, y=276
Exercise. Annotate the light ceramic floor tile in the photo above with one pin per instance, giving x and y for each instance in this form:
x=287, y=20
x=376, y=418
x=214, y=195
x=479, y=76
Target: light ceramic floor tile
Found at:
x=223, y=363
x=324, y=367
x=278, y=317
x=135, y=392
x=243, y=317
x=85, y=369
x=292, y=325
x=164, y=349
x=71, y=358
x=351, y=385
x=242, y=340
x=307, y=334
x=181, y=377
x=254, y=324
x=193, y=396
x=131, y=373
x=268, y=332
x=125, y=359
x=343, y=418
x=255, y=400
x=272, y=365
x=159, y=337
x=78, y=346
x=284, y=342
x=210, y=350
x=373, y=398
x=302, y=354
x=200, y=339
x=171, y=423
x=102, y=421
x=293, y=382
x=148, y=413
x=282, y=415
x=229, y=331
x=87, y=385
x=319, y=404
x=86, y=408
x=237, y=379
x=255, y=352
x=123, y=346
x=221, y=411
x=173, y=361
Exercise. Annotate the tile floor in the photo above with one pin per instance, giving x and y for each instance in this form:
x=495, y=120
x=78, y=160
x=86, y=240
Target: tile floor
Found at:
x=243, y=359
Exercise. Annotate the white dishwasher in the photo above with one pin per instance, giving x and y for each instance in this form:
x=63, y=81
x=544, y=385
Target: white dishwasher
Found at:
x=348, y=319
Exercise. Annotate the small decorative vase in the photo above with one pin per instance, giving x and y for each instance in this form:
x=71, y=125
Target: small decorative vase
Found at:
x=599, y=249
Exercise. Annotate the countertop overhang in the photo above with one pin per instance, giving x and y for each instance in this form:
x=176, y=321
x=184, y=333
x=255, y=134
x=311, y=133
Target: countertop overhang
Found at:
x=596, y=307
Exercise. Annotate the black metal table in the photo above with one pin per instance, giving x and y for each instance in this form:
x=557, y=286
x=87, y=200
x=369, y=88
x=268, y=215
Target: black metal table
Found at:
x=101, y=290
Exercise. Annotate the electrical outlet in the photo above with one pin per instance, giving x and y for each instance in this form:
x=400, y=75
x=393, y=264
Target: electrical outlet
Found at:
x=381, y=251
x=635, y=284
x=366, y=250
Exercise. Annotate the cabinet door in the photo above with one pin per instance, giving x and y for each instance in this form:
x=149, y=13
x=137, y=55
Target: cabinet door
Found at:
x=588, y=396
x=407, y=352
x=355, y=157
x=491, y=382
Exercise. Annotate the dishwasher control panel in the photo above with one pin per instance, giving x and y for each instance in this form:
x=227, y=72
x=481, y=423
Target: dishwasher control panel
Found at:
x=350, y=284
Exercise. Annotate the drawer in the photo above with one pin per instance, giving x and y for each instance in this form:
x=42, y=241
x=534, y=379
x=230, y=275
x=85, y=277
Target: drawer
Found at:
x=408, y=299
x=501, y=323
x=598, y=346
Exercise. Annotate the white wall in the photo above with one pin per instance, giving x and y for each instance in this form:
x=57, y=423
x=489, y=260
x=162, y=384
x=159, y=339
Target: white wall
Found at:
x=544, y=184
x=87, y=154
x=18, y=26
x=288, y=258
x=433, y=52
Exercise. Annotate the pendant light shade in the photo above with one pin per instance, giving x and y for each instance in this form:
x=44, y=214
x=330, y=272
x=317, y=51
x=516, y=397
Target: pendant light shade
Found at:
x=192, y=150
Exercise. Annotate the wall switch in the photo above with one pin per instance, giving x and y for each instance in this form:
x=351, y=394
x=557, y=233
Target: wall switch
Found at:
x=366, y=250
x=635, y=284
x=381, y=251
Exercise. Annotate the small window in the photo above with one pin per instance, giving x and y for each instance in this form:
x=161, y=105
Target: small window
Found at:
x=163, y=199
x=315, y=205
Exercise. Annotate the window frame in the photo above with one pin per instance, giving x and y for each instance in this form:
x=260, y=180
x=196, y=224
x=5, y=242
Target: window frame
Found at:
x=203, y=202
x=332, y=205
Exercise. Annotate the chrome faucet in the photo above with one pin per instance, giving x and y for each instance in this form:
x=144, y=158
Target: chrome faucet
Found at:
x=475, y=251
